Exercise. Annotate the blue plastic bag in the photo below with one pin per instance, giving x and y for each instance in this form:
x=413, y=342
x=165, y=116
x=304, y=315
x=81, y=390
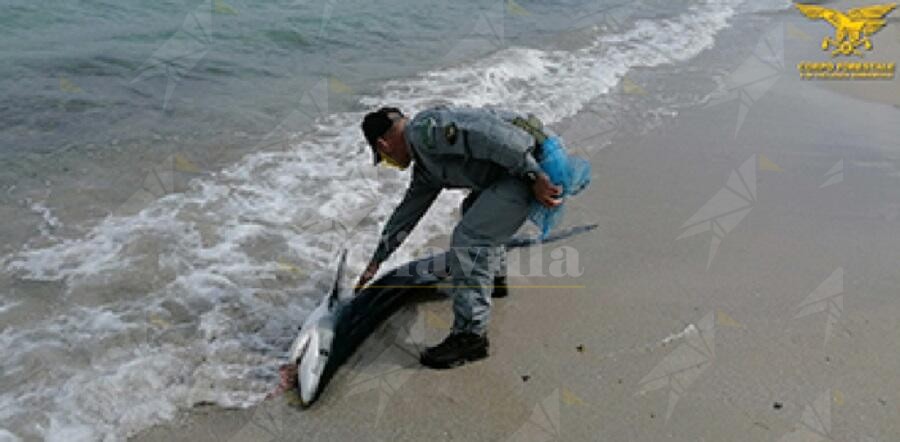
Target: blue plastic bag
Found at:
x=572, y=173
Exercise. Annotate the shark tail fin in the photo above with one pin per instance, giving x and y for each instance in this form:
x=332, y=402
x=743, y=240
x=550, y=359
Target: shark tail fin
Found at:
x=338, y=278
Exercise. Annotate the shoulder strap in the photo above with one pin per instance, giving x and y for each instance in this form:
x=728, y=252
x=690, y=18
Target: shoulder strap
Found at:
x=535, y=128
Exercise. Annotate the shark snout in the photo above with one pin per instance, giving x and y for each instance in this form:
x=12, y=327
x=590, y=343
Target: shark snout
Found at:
x=307, y=368
x=312, y=349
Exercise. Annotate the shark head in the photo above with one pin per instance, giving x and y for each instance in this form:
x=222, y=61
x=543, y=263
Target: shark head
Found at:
x=313, y=346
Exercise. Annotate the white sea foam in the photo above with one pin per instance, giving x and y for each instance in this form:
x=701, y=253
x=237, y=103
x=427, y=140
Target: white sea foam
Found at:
x=557, y=84
x=7, y=436
x=8, y=305
x=50, y=222
x=195, y=298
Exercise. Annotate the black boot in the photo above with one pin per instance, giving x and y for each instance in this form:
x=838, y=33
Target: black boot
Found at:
x=500, y=288
x=455, y=350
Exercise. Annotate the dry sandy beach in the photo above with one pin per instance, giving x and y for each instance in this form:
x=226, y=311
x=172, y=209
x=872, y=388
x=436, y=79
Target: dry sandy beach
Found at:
x=742, y=286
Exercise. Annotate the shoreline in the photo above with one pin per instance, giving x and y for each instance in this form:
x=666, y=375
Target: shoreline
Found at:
x=727, y=324
x=739, y=281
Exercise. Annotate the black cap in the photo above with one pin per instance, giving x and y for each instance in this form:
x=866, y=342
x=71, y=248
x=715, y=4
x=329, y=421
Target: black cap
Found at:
x=376, y=124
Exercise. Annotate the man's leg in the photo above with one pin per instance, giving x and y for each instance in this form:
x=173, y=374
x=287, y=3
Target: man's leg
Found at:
x=475, y=251
x=500, y=289
x=468, y=201
x=498, y=264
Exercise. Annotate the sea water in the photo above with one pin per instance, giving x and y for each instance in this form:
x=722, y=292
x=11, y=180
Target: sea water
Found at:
x=175, y=176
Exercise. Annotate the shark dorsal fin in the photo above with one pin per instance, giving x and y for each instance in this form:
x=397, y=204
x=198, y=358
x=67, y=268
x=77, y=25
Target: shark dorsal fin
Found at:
x=338, y=286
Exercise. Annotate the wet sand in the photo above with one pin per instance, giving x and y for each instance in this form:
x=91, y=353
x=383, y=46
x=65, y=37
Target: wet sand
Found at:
x=740, y=287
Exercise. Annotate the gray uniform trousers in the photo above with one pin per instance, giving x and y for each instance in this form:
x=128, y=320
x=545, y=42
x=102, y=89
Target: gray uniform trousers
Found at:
x=463, y=147
x=490, y=218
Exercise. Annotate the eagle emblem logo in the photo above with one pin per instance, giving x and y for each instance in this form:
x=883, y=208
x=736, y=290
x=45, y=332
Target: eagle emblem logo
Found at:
x=852, y=29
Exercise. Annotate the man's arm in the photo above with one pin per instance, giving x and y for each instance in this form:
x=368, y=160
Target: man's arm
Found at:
x=490, y=135
x=418, y=198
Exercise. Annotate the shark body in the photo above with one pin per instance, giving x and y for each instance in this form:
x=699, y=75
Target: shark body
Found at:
x=342, y=321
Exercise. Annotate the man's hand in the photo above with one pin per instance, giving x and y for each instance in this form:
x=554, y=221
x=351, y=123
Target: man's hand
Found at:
x=367, y=275
x=546, y=192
